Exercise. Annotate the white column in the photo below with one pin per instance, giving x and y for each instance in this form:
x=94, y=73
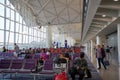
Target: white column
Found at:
x=118, y=35
x=15, y=28
x=118, y=30
x=98, y=40
x=5, y=26
x=92, y=51
x=49, y=36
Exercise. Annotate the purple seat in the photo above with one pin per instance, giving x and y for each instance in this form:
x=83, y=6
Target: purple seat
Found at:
x=48, y=61
x=48, y=65
x=75, y=55
x=17, y=64
x=29, y=56
x=47, y=68
x=5, y=64
x=30, y=64
x=37, y=56
x=6, y=55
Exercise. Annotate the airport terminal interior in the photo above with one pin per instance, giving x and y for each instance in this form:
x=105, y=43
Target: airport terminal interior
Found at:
x=42, y=39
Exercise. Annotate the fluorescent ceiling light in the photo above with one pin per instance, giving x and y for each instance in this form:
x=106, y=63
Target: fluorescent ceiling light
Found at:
x=103, y=15
x=116, y=0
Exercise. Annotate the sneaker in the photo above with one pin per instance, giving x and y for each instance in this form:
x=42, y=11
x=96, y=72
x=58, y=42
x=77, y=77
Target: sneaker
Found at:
x=99, y=68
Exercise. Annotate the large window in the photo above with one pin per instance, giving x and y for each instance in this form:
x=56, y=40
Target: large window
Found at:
x=2, y=1
x=13, y=29
x=1, y=23
x=8, y=12
x=1, y=10
x=1, y=36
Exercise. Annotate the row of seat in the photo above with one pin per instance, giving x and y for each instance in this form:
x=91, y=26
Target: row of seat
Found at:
x=17, y=65
x=11, y=64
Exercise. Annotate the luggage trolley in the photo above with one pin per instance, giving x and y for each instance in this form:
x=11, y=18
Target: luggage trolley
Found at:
x=59, y=67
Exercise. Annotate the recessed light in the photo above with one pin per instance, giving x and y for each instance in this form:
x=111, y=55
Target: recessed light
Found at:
x=116, y=0
x=103, y=15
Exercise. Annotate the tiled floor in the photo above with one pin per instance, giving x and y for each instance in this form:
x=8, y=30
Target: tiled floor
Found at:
x=112, y=72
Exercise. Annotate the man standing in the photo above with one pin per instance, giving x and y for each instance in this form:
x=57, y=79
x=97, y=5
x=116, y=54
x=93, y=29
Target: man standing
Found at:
x=16, y=48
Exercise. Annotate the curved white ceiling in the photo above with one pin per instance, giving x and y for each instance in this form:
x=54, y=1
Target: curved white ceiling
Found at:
x=64, y=14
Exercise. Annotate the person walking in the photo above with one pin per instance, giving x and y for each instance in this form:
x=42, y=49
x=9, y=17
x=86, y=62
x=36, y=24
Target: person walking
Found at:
x=100, y=55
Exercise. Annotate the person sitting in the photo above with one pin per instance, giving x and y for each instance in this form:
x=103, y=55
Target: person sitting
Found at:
x=60, y=59
x=43, y=54
x=67, y=56
x=79, y=67
x=3, y=49
x=40, y=64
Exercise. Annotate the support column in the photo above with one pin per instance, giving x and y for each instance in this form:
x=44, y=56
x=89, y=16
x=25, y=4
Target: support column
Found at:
x=49, y=36
x=98, y=40
x=118, y=30
x=5, y=26
x=92, y=47
x=118, y=35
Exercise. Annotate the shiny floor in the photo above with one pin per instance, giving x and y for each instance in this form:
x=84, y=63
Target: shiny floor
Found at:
x=112, y=72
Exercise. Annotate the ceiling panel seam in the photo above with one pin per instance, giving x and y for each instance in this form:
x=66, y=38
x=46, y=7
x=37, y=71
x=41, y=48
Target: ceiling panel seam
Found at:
x=55, y=11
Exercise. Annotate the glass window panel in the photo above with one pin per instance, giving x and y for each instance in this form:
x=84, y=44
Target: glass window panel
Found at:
x=42, y=28
x=45, y=29
x=20, y=19
x=20, y=29
x=17, y=27
x=2, y=1
x=41, y=34
x=1, y=23
x=17, y=16
x=12, y=26
x=12, y=15
x=11, y=39
x=30, y=31
x=26, y=38
x=17, y=37
x=7, y=36
x=35, y=33
x=1, y=10
x=1, y=36
x=7, y=24
x=44, y=35
x=20, y=38
x=36, y=39
x=23, y=22
x=8, y=12
x=30, y=39
x=8, y=2
x=26, y=30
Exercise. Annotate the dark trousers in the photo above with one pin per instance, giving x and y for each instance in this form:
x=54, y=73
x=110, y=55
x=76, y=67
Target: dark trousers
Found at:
x=100, y=60
x=80, y=73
